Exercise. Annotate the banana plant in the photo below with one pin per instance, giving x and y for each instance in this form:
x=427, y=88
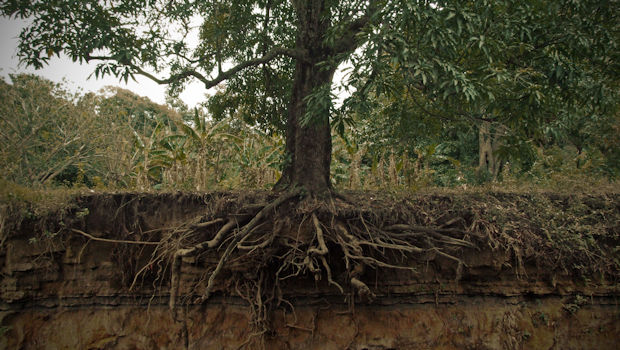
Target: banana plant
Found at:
x=207, y=148
x=258, y=158
x=146, y=147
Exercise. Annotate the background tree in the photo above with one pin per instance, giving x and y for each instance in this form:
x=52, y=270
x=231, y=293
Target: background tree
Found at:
x=47, y=134
x=278, y=57
x=515, y=70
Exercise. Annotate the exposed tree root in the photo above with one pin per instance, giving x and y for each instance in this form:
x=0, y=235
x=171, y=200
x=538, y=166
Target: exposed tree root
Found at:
x=238, y=237
x=88, y=235
x=260, y=247
x=264, y=249
x=361, y=288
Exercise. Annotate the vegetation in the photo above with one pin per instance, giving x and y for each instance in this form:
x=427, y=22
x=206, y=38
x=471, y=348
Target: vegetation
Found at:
x=509, y=68
x=116, y=140
x=441, y=93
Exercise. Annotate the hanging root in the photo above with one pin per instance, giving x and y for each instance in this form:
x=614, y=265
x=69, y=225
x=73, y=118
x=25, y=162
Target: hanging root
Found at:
x=239, y=235
x=438, y=233
x=262, y=249
x=360, y=287
x=321, y=252
x=436, y=236
x=330, y=279
x=256, y=249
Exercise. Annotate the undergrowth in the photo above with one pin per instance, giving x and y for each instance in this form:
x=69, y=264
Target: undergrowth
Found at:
x=38, y=207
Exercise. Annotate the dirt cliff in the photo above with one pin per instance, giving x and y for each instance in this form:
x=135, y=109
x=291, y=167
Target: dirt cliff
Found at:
x=525, y=272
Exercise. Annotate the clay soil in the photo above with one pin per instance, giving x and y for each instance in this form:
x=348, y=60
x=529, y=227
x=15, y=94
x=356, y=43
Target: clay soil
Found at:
x=442, y=270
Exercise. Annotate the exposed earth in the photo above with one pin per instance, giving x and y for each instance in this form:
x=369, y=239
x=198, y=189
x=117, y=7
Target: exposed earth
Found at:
x=228, y=270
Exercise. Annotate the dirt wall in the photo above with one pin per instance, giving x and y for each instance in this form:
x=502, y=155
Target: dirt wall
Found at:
x=62, y=290
x=469, y=323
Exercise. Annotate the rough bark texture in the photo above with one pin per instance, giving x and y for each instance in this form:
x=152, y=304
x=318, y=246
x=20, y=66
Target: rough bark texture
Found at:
x=488, y=144
x=308, y=145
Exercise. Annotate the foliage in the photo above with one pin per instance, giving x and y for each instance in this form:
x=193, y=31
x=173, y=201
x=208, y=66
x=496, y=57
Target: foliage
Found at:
x=428, y=82
x=48, y=134
x=117, y=139
x=155, y=147
x=418, y=69
x=536, y=71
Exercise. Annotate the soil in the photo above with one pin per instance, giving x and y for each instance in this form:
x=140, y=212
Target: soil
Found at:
x=228, y=270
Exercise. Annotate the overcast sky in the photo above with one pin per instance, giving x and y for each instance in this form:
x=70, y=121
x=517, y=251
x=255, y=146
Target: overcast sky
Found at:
x=77, y=74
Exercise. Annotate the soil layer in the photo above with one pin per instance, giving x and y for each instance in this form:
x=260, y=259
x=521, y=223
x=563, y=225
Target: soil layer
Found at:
x=365, y=271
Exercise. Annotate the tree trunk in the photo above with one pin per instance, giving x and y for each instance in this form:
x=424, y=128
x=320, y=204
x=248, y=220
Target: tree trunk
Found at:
x=488, y=143
x=309, y=145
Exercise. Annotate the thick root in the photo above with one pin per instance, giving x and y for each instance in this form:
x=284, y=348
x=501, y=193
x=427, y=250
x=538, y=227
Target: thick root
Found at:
x=309, y=239
x=360, y=287
x=239, y=235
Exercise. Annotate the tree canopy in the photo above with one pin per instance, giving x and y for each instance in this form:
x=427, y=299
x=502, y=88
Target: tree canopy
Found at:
x=522, y=64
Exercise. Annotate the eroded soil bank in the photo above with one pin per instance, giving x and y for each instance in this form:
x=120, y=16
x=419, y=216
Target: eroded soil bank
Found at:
x=525, y=272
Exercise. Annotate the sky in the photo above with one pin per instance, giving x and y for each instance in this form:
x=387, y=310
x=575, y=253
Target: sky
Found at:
x=77, y=74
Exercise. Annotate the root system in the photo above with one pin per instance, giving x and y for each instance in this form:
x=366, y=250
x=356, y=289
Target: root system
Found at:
x=257, y=246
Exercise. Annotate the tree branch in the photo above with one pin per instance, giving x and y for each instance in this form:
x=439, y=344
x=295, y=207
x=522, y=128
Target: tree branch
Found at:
x=350, y=40
x=209, y=83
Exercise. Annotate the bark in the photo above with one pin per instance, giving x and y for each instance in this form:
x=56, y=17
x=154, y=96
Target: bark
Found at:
x=309, y=147
x=488, y=143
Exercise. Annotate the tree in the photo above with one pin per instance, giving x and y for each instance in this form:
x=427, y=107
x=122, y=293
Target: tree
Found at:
x=42, y=137
x=280, y=56
x=507, y=60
